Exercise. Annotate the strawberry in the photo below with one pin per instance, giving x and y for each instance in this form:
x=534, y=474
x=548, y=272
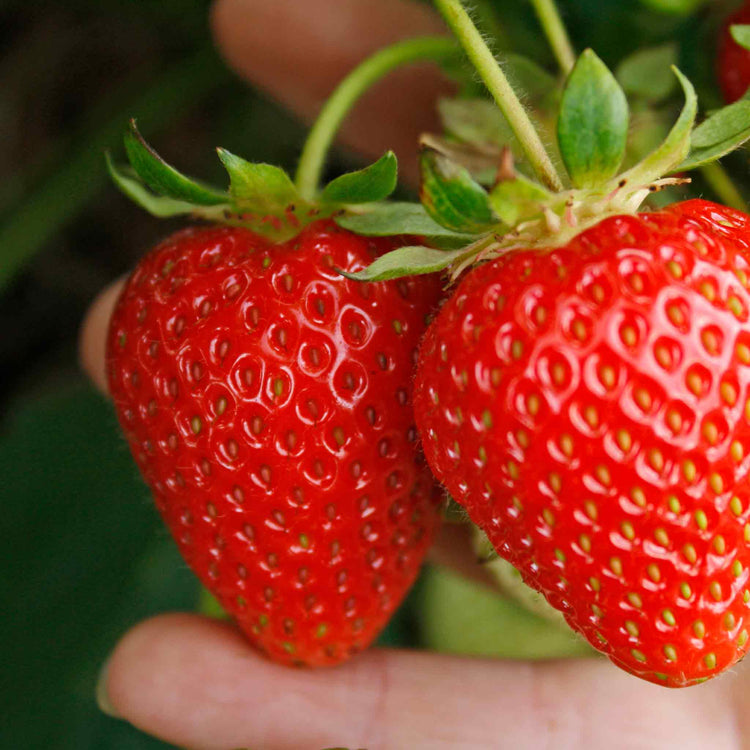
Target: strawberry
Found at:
x=593, y=422
x=733, y=59
x=584, y=393
x=267, y=402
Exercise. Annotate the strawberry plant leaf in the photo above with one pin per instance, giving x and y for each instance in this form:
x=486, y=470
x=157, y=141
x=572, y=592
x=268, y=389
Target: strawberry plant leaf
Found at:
x=526, y=76
x=406, y=261
x=163, y=178
x=395, y=218
x=716, y=136
x=517, y=199
x=675, y=147
x=647, y=73
x=259, y=187
x=674, y=7
x=452, y=197
x=157, y=205
x=373, y=183
x=592, y=127
x=476, y=121
x=741, y=34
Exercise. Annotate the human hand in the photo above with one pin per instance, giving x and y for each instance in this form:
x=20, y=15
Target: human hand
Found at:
x=197, y=683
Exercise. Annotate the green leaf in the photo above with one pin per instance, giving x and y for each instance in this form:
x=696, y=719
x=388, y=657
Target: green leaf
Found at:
x=647, y=73
x=476, y=121
x=373, y=183
x=387, y=219
x=674, y=149
x=157, y=205
x=260, y=188
x=164, y=179
x=741, y=34
x=406, y=261
x=721, y=133
x=517, y=199
x=674, y=7
x=452, y=197
x=528, y=77
x=592, y=127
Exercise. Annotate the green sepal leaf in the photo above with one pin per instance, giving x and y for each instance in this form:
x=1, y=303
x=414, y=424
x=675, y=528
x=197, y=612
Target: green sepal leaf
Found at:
x=373, y=183
x=452, y=197
x=165, y=179
x=476, y=121
x=387, y=219
x=647, y=73
x=517, y=199
x=157, y=205
x=674, y=7
x=412, y=260
x=592, y=127
x=741, y=34
x=259, y=188
x=716, y=136
x=675, y=147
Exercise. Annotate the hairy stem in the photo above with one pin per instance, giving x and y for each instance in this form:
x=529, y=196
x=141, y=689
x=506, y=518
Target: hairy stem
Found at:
x=556, y=34
x=437, y=49
x=502, y=92
x=721, y=184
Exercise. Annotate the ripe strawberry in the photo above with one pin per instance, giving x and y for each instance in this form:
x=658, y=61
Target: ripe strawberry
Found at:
x=266, y=400
x=733, y=60
x=589, y=407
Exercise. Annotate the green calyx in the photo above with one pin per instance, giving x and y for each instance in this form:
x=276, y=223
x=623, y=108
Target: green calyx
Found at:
x=478, y=184
x=261, y=197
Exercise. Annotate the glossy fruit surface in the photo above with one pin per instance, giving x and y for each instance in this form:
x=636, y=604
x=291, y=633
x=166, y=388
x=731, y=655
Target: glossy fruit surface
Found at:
x=733, y=60
x=267, y=402
x=590, y=407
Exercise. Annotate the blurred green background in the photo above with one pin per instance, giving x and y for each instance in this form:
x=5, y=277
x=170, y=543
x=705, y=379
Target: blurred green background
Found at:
x=83, y=554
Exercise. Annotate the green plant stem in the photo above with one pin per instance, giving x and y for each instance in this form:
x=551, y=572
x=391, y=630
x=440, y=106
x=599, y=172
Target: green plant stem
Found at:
x=502, y=92
x=67, y=192
x=721, y=184
x=556, y=34
x=437, y=49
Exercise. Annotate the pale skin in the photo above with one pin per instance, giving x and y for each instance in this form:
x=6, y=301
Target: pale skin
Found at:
x=198, y=684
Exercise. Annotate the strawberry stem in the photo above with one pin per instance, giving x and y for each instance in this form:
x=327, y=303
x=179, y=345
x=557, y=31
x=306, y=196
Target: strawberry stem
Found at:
x=556, y=34
x=437, y=49
x=497, y=84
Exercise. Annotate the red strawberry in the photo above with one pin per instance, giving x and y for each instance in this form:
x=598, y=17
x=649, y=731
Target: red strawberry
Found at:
x=589, y=405
x=733, y=60
x=266, y=400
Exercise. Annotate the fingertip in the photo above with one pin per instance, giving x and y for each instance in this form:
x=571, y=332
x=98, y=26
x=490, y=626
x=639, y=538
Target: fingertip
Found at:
x=92, y=340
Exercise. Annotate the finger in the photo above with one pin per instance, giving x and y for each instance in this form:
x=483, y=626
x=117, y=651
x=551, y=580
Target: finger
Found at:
x=92, y=340
x=298, y=52
x=198, y=684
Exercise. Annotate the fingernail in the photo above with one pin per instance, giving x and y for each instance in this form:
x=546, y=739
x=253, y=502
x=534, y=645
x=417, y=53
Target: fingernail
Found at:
x=102, y=699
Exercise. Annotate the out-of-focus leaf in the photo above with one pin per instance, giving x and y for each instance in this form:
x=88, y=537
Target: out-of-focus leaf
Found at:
x=647, y=73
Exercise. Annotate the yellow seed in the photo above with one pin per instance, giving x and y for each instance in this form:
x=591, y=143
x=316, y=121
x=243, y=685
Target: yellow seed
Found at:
x=670, y=652
x=737, y=568
x=689, y=470
x=566, y=445
x=585, y=543
x=656, y=459
x=555, y=482
x=629, y=336
x=579, y=329
x=661, y=537
x=590, y=509
x=638, y=655
x=595, y=584
x=708, y=290
x=699, y=629
x=663, y=356
x=597, y=610
x=591, y=415
x=632, y=628
x=714, y=589
x=603, y=475
x=627, y=530
x=674, y=269
x=710, y=341
x=701, y=520
x=548, y=516
x=532, y=404
x=711, y=433
x=675, y=315
x=482, y=455
x=746, y=596
x=635, y=600
x=729, y=621
x=513, y=470
x=746, y=532
x=558, y=373
x=560, y=555
x=716, y=483
x=710, y=660
x=742, y=638
x=615, y=565
x=522, y=437
x=694, y=383
x=624, y=440
x=736, y=451
x=735, y=305
x=690, y=554
x=607, y=375
x=674, y=504
x=728, y=393
x=668, y=618
x=638, y=496
x=653, y=572
x=643, y=399
x=674, y=421
x=719, y=544
x=516, y=349
x=685, y=590
x=741, y=276
x=743, y=353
